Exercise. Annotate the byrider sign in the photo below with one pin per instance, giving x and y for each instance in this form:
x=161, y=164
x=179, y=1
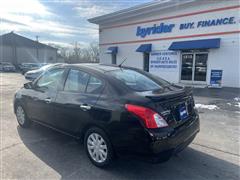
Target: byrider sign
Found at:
x=168, y=28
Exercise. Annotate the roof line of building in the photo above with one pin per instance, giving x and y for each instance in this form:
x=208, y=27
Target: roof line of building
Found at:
x=174, y=17
x=12, y=38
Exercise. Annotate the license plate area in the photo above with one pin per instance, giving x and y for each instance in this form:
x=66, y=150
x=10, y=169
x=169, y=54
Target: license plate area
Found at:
x=183, y=112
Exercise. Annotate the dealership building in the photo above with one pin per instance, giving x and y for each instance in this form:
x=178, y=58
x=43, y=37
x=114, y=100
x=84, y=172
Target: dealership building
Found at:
x=190, y=42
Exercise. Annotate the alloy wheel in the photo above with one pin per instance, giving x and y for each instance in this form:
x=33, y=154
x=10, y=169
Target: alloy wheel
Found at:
x=20, y=115
x=97, y=147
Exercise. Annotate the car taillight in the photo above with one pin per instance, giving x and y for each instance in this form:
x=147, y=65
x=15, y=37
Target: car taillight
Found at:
x=150, y=118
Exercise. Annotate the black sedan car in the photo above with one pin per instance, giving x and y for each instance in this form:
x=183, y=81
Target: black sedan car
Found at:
x=114, y=110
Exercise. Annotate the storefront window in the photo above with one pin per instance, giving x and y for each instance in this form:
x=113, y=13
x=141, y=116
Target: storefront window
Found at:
x=146, y=62
x=194, y=66
x=200, y=67
x=187, y=64
x=114, y=59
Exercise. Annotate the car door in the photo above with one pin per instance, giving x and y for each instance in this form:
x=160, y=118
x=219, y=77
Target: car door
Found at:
x=43, y=94
x=74, y=105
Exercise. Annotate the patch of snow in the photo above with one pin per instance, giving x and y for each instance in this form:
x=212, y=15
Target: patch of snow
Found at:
x=229, y=104
x=237, y=98
x=203, y=106
x=238, y=104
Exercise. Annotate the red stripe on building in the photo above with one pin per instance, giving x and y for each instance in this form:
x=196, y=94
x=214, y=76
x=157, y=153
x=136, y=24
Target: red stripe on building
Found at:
x=173, y=37
x=173, y=17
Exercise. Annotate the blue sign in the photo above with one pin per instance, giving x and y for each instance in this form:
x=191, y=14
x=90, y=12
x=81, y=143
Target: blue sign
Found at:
x=155, y=29
x=183, y=112
x=216, y=78
x=168, y=28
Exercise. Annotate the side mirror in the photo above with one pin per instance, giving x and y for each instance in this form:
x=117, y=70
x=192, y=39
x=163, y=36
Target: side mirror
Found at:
x=28, y=85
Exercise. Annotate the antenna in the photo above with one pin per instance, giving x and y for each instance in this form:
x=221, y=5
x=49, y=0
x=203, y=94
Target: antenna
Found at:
x=37, y=38
x=120, y=65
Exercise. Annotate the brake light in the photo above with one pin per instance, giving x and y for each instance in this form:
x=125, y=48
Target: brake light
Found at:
x=150, y=118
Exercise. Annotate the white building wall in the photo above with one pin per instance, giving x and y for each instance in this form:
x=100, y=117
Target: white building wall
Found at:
x=227, y=57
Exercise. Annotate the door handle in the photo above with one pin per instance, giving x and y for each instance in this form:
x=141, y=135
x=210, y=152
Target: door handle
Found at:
x=85, y=107
x=48, y=100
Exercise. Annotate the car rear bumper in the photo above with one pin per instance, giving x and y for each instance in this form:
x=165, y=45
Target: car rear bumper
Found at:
x=164, y=143
x=175, y=139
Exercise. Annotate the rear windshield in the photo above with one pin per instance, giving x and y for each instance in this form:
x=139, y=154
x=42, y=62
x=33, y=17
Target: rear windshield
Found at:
x=138, y=81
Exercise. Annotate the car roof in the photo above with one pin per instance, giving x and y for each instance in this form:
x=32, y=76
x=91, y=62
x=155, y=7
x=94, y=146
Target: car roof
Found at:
x=102, y=68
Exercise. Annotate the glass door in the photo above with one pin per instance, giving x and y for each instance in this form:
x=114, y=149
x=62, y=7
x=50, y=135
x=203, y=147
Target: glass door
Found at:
x=200, y=71
x=194, y=67
x=187, y=67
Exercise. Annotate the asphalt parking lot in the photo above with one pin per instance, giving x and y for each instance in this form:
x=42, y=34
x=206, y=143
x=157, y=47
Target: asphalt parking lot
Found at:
x=40, y=153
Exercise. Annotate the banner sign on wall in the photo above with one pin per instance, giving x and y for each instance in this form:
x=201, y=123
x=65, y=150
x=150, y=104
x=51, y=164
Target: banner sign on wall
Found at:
x=164, y=61
x=216, y=78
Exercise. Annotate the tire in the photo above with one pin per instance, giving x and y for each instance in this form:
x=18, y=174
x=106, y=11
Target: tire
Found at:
x=98, y=147
x=22, y=118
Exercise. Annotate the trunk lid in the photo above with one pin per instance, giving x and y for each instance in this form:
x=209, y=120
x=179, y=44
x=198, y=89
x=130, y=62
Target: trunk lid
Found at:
x=169, y=103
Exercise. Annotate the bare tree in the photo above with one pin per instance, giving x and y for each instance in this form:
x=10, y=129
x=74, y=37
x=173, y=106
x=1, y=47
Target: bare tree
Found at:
x=78, y=53
x=94, y=51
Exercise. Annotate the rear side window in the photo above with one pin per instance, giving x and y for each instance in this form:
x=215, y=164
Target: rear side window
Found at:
x=76, y=81
x=94, y=85
x=136, y=80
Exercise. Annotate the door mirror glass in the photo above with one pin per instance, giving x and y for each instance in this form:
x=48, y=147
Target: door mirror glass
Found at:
x=28, y=85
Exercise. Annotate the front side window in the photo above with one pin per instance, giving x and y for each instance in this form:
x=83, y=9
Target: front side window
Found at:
x=76, y=81
x=50, y=79
x=136, y=80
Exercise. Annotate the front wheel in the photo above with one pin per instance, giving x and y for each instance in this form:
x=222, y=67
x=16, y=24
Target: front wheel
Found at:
x=22, y=118
x=98, y=147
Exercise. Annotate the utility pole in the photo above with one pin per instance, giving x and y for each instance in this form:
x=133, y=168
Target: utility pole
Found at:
x=37, y=48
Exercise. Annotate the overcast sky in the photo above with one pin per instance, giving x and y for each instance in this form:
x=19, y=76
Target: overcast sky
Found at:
x=57, y=21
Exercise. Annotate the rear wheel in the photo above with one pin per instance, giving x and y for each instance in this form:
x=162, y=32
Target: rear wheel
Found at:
x=98, y=147
x=22, y=119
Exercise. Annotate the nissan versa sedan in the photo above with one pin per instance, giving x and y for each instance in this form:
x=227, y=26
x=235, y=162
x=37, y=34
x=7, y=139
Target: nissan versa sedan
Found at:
x=115, y=110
